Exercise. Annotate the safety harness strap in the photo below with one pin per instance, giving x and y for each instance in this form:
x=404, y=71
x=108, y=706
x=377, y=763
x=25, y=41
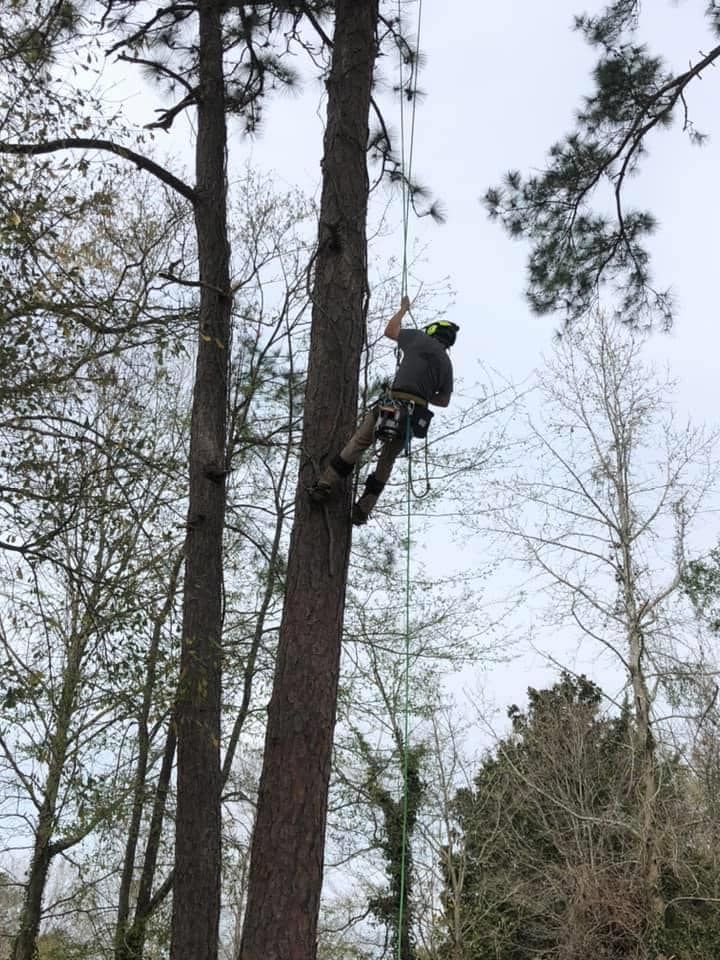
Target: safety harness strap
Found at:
x=409, y=397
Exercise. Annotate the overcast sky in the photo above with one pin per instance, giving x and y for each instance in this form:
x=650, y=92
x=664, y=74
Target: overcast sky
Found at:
x=502, y=82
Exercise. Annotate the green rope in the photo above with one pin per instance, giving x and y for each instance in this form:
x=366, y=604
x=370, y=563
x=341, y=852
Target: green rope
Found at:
x=403, y=184
x=406, y=202
x=406, y=729
x=406, y=174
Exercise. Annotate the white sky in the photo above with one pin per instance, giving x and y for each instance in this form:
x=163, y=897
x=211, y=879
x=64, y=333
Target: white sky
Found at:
x=502, y=82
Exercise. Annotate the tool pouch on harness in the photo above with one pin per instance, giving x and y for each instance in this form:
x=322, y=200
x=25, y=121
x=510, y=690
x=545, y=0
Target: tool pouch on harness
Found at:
x=420, y=421
x=389, y=419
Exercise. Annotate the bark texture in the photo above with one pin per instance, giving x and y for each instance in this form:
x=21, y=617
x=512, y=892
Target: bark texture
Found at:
x=196, y=902
x=123, y=930
x=286, y=867
x=25, y=945
x=59, y=751
x=132, y=945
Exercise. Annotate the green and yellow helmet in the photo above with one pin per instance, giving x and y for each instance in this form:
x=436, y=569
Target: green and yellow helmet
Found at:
x=444, y=330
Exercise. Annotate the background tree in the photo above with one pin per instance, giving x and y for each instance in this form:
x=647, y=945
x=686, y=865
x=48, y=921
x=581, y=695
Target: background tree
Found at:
x=29, y=45
x=548, y=804
x=701, y=582
x=605, y=523
x=576, y=246
x=67, y=683
x=89, y=470
x=215, y=70
x=393, y=906
x=264, y=407
x=548, y=839
x=198, y=849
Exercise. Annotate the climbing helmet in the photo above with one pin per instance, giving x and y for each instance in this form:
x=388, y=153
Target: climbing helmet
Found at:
x=444, y=330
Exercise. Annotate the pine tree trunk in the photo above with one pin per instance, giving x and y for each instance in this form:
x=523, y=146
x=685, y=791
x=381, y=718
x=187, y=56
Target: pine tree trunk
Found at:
x=196, y=903
x=288, y=844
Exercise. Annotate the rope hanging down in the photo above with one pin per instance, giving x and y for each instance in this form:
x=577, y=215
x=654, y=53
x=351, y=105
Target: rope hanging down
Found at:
x=405, y=180
x=406, y=723
x=409, y=92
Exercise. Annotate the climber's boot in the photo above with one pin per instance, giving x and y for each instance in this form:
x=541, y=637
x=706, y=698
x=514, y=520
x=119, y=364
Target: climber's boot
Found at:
x=364, y=505
x=330, y=479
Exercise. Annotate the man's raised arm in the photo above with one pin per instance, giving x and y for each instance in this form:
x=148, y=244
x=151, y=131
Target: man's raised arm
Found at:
x=395, y=322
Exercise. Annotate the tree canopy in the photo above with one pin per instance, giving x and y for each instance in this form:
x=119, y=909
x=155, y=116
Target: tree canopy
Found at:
x=579, y=247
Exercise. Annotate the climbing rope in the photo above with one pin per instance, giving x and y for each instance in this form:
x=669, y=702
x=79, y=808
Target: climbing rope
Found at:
x=406, y=169
x=406, y=722
x=406, y=184
x=411, y=479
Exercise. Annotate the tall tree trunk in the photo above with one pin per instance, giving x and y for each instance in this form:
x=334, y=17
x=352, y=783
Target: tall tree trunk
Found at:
x=25, y=945
x=645, y=759
x=288, y=843
x=140, y=786
x=133, y=943
x=196, y=903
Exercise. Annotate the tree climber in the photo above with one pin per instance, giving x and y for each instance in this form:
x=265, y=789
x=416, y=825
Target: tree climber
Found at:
x=424, y=376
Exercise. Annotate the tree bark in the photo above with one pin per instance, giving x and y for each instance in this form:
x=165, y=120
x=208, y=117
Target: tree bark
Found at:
x=288, y=843
x=133, y=942
x=123, y=930
x=25, y=944
x=24, y=947
x=645, y=759
x=196, y=902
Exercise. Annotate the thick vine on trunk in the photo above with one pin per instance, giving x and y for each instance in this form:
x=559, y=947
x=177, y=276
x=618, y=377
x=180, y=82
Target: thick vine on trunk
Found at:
x=287, y=853
x=196, y=901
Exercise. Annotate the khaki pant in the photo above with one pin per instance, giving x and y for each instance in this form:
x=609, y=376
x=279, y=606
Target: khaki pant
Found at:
x=362, y=440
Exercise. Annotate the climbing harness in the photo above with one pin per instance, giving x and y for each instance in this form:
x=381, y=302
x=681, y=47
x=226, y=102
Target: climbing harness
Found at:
x=390, y=416
x=399, y=416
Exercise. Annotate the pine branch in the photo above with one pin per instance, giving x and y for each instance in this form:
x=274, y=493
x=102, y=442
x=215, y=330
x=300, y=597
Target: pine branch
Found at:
x=91, y=143
x=167, y=117
x=162, y=68
x=179, y=11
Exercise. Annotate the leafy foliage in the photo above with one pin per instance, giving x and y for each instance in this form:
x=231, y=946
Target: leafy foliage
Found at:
x=702, y=585
x=578, y=245
x=399, y=819
x=548, y=836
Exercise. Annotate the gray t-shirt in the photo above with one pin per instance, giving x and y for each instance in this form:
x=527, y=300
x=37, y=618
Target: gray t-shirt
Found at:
x=425, y=368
